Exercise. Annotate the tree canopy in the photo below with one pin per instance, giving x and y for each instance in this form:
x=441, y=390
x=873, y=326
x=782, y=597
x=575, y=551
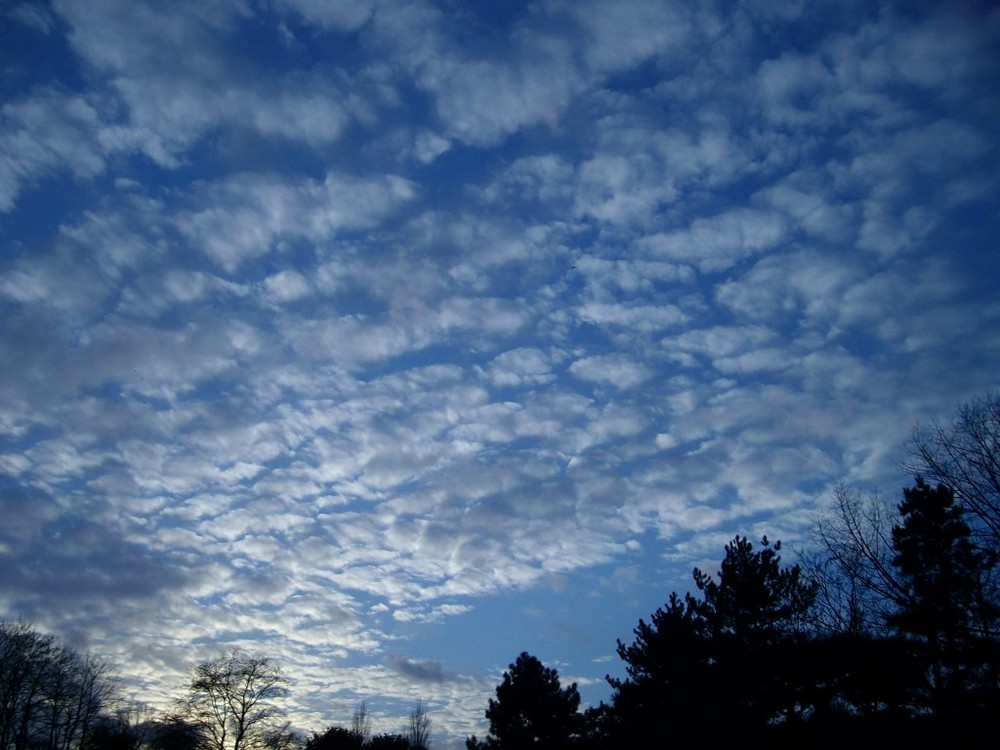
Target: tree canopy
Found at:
x=721, y=651
x=531, y=709
x=943, y=607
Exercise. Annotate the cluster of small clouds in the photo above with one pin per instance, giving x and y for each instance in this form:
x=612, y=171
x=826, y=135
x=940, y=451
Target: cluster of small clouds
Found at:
x=362, y=312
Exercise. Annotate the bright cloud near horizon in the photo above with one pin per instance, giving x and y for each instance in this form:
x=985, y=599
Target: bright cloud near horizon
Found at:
x=394, y=338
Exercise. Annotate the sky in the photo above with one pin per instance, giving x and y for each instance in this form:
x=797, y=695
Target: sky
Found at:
x=392, y=338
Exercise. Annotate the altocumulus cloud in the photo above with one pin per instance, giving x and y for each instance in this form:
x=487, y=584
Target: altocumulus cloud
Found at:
x=394, y=338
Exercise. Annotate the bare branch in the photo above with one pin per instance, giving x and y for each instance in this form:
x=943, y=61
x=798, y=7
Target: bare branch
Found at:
x=233, y=699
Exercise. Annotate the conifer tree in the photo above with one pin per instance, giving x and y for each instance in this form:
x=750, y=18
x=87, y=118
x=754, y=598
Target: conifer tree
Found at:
x=531, y=710
x=729, y=652
x=942, y=572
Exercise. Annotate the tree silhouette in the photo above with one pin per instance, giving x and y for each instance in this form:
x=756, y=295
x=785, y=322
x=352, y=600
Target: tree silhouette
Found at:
x=418, y=727
x=119, y=732
x=50, y=696
x=755, y=600
x=531, y=710
x=233, y=699
x=858, y=585
x=388, y=742
x=361, y=722
x=942, y=572
x=282, y=737
x=733, y=650
x=336, y=738
x=908, y=624
x=671, y=676
x=965, y=456
x=175, y=732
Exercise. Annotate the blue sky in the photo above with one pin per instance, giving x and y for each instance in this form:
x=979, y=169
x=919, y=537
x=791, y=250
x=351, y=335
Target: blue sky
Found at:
x=394, y=338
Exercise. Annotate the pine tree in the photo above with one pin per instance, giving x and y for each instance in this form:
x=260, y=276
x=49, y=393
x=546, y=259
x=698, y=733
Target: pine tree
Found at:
x=670, y=675
x=531, y=709
x=730, y=652
x=755, y=600
x=942, y=572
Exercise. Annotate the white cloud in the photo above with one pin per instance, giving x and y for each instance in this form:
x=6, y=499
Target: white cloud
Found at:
x=759, y=360
x=722, y=341
x=481, y=98
x=619, y=189
x=428, y=146
x=338, y=16
x=210, y=83
x=314, y=115
x=43, y=135
x=249, y=215
x=717, y=243
x=287, y=286
x=621, y=36
x=782, y=285
x=34, y=16
x=480, y=101
x=615, y=369
x=794, y=89
x=535, y=179
x=812, y=208
x=645, y=318
x=483, y=316
x=522, y=366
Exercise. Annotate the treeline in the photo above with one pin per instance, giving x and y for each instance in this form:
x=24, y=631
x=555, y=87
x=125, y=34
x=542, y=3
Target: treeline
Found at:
x=745, y=660
x=52, y=698
x=887, y=632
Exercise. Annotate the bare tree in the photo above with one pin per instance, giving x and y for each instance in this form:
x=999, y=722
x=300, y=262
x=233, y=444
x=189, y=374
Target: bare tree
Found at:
x=94, y=690
x=50, y=696
x=361, y=722
x=965, y=457
x=233, y=699
x=859, y=586
x=419, y=727
x=25, y=659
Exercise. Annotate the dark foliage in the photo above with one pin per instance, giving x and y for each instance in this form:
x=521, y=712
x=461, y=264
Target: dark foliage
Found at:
x=336, y=738
x=113, y=735
x=388, y=742
x=944, y=608
x=731, y=651
x=174, y=732
x=531, y=710
x=341, y=738
x=670, y=674
x=755, y=600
